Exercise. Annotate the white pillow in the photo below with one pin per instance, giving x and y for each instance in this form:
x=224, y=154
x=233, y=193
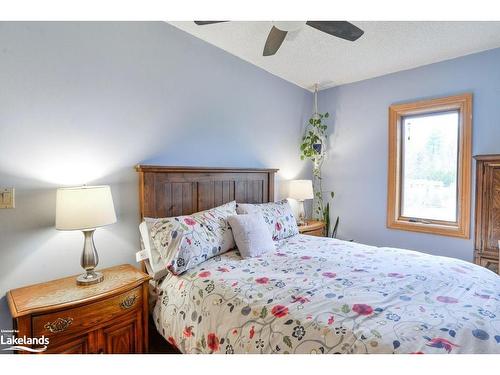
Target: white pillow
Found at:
x=251, y=235
x=277, y=215
x=154, y=264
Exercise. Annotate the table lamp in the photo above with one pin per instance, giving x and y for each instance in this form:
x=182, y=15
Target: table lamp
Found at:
x=85, y=208
x=301, y=190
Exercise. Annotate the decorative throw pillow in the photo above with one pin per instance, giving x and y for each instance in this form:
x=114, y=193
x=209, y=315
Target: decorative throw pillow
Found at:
x=186, y=241
x=277, y=215
x=251, y=235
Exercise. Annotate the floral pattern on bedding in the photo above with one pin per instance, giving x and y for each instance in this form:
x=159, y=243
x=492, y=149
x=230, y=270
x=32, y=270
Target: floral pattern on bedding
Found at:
x=277, y=215
x=186, y=241
x=321, y=295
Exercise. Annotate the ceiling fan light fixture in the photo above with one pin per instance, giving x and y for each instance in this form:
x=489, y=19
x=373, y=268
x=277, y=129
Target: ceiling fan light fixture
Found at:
x=289, y=25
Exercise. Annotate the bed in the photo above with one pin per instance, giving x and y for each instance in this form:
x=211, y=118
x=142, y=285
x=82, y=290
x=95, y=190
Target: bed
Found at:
x=313, y=295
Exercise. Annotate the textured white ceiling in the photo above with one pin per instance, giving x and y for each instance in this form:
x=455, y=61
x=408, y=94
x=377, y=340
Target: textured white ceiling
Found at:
x=309, y=56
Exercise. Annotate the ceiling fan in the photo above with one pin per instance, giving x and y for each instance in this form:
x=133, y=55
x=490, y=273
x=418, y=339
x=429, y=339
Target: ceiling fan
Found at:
x=340, y=29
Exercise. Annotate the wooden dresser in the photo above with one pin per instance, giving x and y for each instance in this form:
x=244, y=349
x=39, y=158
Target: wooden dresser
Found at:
x=487, y=231
x=313, y=228
x=109, y=317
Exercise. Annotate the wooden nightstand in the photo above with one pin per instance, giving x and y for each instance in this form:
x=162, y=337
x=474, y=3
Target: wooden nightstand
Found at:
x=109, y=317
x=313, y=228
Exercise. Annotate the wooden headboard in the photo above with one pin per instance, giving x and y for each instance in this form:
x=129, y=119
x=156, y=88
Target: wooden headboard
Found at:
x=174, y=191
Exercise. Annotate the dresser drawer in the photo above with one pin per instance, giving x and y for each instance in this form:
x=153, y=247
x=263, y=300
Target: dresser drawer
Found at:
x=80, y=318
x=491, y=264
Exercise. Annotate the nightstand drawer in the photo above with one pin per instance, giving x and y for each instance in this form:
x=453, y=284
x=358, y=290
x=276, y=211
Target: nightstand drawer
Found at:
x=313, y=228
x=317, y=232
x=88, y=316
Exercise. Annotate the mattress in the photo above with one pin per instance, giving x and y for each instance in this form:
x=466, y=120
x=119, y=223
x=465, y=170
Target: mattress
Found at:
x=322, y=295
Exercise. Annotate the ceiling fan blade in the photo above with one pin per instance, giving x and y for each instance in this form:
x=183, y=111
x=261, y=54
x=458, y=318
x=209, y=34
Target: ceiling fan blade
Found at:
x=201, y=23
x=340, y=29
x=274, y=40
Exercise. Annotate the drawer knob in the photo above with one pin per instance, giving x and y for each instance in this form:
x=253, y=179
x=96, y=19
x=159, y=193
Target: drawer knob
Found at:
x=128, y=302
x=58, y=325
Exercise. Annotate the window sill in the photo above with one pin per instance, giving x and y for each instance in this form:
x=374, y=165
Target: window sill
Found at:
x=430, y=228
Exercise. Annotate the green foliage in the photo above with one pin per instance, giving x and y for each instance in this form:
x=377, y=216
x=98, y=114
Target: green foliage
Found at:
x=330, y=232
x=335, y=227
x=326, y=216
x=315, y=134
x=433, y=161
x=312, y=148
x=446, y=177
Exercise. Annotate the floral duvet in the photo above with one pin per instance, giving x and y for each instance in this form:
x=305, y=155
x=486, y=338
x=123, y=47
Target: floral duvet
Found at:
x=321, y=295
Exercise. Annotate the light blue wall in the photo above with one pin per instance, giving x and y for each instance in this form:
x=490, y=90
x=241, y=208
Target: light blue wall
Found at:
x=85, y=102
x=357, y=166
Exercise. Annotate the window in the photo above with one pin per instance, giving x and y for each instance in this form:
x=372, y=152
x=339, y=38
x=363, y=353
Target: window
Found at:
x=430, y=166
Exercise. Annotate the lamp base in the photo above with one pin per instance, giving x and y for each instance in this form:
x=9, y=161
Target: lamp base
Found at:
x=302, y=215
x=90, y=278
x=89, y=261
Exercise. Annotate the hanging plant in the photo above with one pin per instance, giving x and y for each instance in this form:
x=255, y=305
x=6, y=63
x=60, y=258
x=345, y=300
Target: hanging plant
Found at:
x=312, y=142
x=313, y=147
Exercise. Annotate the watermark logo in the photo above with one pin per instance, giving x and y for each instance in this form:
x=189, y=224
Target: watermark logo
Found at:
x=23, y=343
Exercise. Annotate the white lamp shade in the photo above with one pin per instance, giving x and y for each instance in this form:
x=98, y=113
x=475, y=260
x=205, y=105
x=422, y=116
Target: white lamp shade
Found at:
x=84, y=207
x=300, y=190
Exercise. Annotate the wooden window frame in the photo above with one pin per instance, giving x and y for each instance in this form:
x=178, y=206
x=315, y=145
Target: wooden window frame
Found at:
x=460, y=228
